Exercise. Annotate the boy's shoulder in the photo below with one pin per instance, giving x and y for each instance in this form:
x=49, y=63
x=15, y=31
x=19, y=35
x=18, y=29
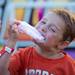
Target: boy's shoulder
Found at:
x=25, y=50
x=22, y=53
x=70, y=60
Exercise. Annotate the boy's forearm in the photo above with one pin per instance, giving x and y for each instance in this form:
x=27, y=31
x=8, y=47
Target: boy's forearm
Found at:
x=4, y=59
x=4, y=72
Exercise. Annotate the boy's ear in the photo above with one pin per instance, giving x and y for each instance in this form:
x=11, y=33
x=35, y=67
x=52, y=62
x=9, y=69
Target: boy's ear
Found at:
x=63, y=44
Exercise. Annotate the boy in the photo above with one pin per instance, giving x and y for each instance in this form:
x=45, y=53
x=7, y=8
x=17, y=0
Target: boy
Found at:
x=46, y=58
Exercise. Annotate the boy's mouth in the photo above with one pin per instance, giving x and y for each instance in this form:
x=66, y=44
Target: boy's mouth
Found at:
x=45, y=39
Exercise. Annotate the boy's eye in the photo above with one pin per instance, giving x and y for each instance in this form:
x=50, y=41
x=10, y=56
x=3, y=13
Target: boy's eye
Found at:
x=51, y=29
x=43, y=22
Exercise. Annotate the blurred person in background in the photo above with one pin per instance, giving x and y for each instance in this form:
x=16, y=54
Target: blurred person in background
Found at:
x=0, y=24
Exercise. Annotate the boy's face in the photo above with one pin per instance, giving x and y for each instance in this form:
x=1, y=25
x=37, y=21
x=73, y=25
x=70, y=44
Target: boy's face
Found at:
x=52, y=27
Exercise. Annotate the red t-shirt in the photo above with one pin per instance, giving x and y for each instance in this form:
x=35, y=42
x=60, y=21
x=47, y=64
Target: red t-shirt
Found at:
x=28, y=62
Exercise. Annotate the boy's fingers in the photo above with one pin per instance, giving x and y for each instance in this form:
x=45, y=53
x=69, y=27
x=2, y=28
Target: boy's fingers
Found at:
x=17, y=22
x=15, y=29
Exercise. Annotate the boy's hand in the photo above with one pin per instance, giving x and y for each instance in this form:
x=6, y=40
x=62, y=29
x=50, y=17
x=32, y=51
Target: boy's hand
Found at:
x=13, y=33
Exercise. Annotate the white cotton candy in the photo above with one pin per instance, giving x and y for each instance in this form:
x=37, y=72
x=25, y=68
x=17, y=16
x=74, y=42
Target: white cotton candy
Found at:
x=28, y=29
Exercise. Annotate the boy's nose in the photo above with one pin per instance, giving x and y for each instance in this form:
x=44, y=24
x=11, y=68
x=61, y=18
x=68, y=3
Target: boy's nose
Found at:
x=43, y=30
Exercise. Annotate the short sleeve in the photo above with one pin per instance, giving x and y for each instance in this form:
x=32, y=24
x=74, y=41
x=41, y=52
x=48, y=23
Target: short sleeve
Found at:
x=16, y=63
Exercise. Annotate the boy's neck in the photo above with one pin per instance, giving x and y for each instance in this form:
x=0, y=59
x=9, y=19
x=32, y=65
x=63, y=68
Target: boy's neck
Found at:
x=50, y=55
